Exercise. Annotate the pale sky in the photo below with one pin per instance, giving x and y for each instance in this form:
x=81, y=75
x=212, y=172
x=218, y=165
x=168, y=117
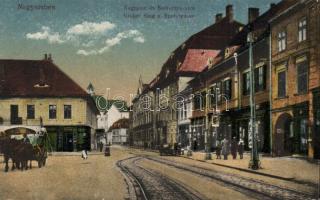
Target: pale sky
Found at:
x=95, y=41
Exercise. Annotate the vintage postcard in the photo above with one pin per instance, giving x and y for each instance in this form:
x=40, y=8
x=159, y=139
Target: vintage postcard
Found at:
x=159, y=99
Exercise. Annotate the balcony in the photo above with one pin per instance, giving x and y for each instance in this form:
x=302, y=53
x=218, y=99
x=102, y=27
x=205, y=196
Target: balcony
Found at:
x=19, y=121
x=16, y=121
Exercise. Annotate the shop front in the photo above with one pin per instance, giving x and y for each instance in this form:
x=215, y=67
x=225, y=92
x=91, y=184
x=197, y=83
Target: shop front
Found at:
x=68, y=138
x=316, y=120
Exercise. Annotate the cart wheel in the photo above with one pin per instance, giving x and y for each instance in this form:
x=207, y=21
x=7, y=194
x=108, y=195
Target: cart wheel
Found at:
x=39, y=163
x=44, y=161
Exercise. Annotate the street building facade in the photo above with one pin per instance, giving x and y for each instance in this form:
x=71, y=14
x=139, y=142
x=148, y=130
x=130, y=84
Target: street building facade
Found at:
x=36, y=93
x=213, y=77
x=295, y=78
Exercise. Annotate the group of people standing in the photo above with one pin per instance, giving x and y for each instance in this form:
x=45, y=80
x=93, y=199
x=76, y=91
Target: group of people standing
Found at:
x=224, y=147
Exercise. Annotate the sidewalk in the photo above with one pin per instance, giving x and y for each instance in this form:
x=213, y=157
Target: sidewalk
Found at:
x=286, y=168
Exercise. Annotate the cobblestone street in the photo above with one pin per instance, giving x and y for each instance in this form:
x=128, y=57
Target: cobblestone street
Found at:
x=66, y=177
x=145, y=175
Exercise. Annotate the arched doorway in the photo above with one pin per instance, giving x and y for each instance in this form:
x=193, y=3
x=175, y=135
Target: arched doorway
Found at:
x=283, y=139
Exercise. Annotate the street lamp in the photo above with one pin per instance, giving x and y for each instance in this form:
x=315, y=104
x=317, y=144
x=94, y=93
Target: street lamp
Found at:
x=254, y=161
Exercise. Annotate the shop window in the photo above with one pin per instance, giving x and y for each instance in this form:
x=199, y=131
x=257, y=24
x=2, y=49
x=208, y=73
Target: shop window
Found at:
x=52, y=111
x=67, y=111
x=30, y=112
x=303, y=135
x=302, y=30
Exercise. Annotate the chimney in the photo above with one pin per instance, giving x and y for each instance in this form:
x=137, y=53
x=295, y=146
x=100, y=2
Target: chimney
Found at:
x=218, y=17
x=253, y=14
x=229, y=12
x=45, y=57
x=272, y=5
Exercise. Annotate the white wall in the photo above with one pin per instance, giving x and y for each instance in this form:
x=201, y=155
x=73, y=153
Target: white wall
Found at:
x=114, y=114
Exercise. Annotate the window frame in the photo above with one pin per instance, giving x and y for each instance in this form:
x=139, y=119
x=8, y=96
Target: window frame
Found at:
x=65, y=116
x=282, y=40
x=32, y=114
x=284, y=70
x=299, y=62
x=302, y=29
x=55, y=111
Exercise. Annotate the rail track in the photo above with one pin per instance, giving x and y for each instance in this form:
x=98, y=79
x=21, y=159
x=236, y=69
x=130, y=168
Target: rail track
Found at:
x=249, y=186
x=155, y=185
x=149, y=184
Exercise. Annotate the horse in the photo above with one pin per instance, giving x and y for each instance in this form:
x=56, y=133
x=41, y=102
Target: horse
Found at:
x=9, y=148
x=20, y=153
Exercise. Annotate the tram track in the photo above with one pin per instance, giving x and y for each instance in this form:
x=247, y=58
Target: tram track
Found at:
x=149, y=184
x=248, y=186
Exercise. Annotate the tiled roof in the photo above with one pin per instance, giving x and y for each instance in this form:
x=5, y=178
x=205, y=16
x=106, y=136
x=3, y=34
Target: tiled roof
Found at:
x=196, y=60
x=121, y=123
x=36, y=78
x=214, y=37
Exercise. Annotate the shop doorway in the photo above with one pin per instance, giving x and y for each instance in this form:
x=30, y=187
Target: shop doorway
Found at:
x=283, y=139
x=68, y=142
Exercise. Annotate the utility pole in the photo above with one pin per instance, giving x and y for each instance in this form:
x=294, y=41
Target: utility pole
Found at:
x=206, y=131
x=254, y=162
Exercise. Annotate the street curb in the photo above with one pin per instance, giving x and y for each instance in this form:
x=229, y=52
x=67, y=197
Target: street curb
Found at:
x=255, y=172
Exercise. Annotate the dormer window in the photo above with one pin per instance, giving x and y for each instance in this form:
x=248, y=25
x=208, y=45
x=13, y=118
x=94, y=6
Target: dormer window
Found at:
x=210, y=62
x=226, y=52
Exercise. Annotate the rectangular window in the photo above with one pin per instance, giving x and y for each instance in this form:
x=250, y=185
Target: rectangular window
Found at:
x=197, y=101
x=67, y=111
x=30, y=111
x=260, y=78
x=246, y=83
x=302, y=30
x=302, y=76
x=204, y=100
x=219, y=91
x=282, y=41
x=282, y=79
x=227, y=89
x=212, y=96
x=52, y=111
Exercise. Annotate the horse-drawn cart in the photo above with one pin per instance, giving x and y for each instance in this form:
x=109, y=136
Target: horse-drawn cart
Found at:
x=23, y=145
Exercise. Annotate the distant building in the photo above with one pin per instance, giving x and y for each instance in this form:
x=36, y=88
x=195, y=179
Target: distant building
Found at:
x=36, y=93
x=109, y=112
x=119, y=132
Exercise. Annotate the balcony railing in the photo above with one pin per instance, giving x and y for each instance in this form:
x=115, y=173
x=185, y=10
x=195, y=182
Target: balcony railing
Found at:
x=20, y=121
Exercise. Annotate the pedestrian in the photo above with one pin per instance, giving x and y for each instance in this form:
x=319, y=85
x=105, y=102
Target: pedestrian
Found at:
x=100, y=146
x=234, y=147
x=195, y=145
x=240, y=148
x=218, y=150
x=225, y=148
x=84, y=154
x=25, y=139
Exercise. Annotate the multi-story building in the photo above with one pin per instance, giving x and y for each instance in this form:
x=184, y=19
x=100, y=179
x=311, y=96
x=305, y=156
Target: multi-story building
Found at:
x=295, y=79
x=173, y=75
x=36, y=93
x=141, y=133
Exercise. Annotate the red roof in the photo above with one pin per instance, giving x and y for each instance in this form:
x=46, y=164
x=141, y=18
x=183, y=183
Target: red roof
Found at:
x=121, y=123
x=196, y=60
x=36, y=78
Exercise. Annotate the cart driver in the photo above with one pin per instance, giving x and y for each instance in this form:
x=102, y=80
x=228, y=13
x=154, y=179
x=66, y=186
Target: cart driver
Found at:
x=25, y=139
